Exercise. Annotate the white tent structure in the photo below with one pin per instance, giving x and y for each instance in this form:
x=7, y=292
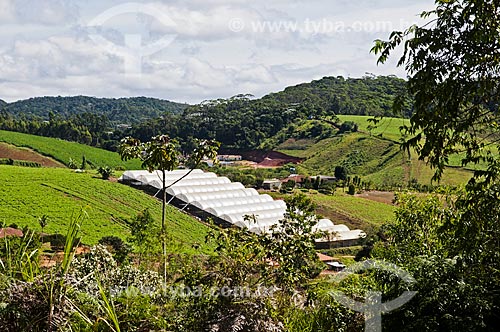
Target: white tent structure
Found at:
x=222, y=195
x=181, y=189
x=230, y=202
x=245, y=200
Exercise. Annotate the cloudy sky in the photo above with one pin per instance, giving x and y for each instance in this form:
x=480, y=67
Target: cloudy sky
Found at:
x=192, y=50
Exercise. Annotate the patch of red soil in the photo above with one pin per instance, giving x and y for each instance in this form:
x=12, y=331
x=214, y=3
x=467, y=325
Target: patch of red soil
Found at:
x=265, y=158
x=50, y=260
x=16, y=153
x=9, y=231
x=268, y=162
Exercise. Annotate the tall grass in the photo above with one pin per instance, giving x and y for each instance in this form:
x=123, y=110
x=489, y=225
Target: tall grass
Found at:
x=20, y=257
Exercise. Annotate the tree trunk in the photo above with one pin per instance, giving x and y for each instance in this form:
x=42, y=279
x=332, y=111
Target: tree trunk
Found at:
x=163, y=235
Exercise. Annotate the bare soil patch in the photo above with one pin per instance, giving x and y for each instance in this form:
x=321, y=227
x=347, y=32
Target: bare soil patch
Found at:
x=17, y=153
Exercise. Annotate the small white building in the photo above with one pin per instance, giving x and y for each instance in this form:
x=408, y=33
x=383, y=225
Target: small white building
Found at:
x=272, y=184
x=229, y=157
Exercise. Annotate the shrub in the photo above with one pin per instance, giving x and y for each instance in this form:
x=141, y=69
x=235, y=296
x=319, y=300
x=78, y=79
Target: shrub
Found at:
x=72, y=164
x=118, y=248
x=352, y=189
x=105, y=172
x=348, y=126
x=341, y=172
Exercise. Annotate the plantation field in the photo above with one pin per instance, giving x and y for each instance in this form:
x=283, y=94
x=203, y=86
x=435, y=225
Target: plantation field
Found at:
x=366, y=211
x=62, y=151
x=29, y=193
x=389, y=128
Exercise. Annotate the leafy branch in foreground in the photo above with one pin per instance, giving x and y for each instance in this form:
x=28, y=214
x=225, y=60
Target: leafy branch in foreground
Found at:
x=454, y=67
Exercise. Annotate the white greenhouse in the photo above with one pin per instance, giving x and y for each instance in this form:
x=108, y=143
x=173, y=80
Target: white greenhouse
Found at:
x=222, y=195
x=206, y=195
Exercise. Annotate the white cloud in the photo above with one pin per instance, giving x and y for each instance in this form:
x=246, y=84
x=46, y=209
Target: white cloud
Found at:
x=51, y=12
x=6, y=11
x=45, y=47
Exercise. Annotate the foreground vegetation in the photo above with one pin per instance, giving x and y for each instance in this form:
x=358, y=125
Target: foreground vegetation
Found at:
x=237, y=289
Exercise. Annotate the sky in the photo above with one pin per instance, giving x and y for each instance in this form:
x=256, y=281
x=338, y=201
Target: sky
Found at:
x=193, y=50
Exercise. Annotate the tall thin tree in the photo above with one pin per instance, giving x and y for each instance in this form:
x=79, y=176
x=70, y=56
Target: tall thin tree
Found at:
x=162, y=153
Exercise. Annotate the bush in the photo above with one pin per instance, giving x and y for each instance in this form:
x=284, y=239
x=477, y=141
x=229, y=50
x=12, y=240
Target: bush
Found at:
x=105, y=172
x=352, y=189
x=118, y=248
x=341, y=172
x=348, y=126
x=6, y=161
x=72, y=164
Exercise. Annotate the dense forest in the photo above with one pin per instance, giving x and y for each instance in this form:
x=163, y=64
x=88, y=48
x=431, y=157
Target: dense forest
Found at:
x=240, y=122
x=370, y=95
x=122, y=110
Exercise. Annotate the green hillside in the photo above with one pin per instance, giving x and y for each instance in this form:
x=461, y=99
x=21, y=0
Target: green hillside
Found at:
x=28, y=193
x=375, y=156
x=369, y=95
x=62, y=151
x=388, y=127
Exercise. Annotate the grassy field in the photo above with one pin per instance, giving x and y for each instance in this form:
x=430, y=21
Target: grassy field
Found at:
x=388, y=128
x=355, y=212
x=28, y=193
x=365, y=211
x=62, y=151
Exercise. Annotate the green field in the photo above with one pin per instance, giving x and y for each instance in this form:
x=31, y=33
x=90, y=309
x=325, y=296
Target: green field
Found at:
x=388, y=128
x=367, y=211
x=62, y=151
x=353, y=211
x=28, y=193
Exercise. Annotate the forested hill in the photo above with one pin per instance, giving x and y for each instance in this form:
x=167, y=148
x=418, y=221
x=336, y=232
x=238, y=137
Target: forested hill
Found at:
x=240, y=122
x=370, y=95
x=123, y=110
x=245, y=123
x=2, y=103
